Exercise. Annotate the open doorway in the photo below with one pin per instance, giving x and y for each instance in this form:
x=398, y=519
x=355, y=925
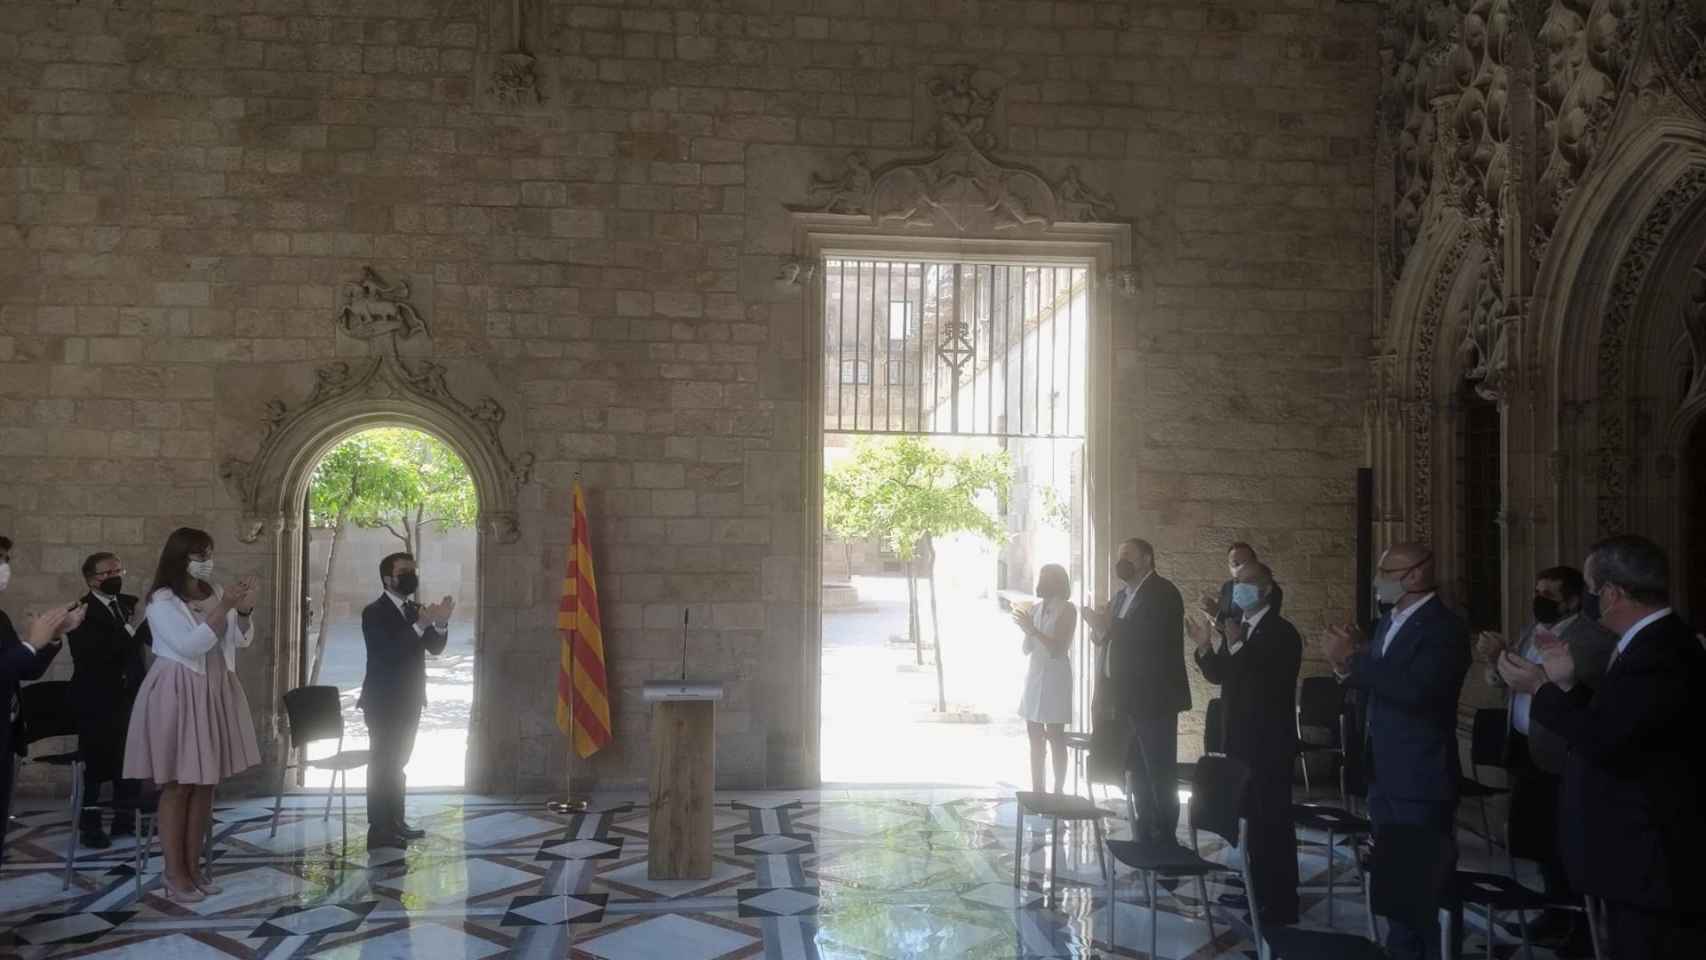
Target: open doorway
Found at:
x=955, y=417
x=377, y=492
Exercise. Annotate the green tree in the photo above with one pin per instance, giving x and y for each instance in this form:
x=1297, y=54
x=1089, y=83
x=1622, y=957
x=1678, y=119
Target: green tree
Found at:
x=390, y=478
x=910, y=493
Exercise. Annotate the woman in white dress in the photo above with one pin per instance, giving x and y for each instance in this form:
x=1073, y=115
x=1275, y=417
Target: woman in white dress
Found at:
x=1047, y=703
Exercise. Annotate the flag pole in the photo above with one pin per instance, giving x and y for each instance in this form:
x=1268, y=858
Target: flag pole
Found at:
x=570, y=804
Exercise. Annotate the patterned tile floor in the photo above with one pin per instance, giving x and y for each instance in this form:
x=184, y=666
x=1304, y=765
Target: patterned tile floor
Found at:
x=817, y=874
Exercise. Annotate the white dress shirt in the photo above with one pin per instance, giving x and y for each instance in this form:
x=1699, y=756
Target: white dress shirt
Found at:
x=419, y=625
x=1125, y=607
x=1250, y=622
x=1396, y=622
x=111, y=603
x=1530, y=651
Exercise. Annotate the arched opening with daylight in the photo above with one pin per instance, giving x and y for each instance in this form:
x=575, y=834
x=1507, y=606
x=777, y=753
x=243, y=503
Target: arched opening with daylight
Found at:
x=379, y=491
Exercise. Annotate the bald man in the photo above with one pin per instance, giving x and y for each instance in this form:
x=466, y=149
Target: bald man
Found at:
x=1410, y=670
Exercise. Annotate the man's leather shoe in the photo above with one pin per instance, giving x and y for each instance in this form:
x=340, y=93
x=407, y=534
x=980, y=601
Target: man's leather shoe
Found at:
x=409, y=833
x=95, y=840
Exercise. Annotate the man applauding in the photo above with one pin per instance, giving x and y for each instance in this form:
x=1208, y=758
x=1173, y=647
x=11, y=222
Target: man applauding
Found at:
x=399, y=633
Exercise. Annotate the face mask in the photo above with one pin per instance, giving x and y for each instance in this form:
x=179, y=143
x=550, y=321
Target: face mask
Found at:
x=5, y=575
x=1246, y=596
x=1547, y=610
x=1126, y=570
x=111, y=586
x=1388, y=590
x=202, y=570
x=407, y=584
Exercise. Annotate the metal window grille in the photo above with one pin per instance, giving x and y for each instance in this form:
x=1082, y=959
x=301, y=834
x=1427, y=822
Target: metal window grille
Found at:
x=958, y=348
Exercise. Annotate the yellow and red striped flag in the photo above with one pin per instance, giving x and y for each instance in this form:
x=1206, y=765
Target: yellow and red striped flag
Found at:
x=583, y=701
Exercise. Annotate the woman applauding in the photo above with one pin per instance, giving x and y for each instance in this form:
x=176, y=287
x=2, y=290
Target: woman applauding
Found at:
x=191, y=726
x=1047, y=702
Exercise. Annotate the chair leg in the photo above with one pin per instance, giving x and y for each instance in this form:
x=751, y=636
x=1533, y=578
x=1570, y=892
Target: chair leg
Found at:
x=1154, y=915
x=1018, y=851
x=76, y=822
x=1053, y=863
x=1593, y=926
x=1303, y=761
x=343, y=792
x=1207, y=912
x=278, y=799
x=1113, y=869
x=331, y=790
x=1522, y=924
x=1101, y=856
x=1368, y=906
x=1330, y=865
x=1486, y=827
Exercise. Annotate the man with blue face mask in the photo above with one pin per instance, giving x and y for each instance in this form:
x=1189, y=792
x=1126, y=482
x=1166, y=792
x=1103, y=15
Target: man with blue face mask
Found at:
x=1411, y=670
x=1255, y=657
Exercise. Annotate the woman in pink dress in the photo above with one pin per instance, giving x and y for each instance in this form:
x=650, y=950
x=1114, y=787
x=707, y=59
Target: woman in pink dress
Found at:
x=191, y=726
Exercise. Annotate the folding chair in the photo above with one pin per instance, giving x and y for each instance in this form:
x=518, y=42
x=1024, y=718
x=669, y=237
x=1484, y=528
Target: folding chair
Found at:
x=316, y=714
x=1487, y=748
x=44, y=712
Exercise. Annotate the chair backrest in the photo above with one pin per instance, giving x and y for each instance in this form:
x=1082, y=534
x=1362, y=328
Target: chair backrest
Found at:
x=44, y=710
x=316, y=713
x=1218, y=795
x=1263, y=951
x=1320, y=700
x=1214, y=728
x=1488, y=742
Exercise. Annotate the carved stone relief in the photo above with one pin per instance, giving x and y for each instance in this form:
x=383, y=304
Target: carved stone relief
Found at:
x=1586, y=50
x=963, y=106
x=1616, y=410
x=513, y=77
x=1421, y=421
x=1415, y=36
x=370, y=308
x=1678, y=30
x=1485, y=347
x=1694, y=325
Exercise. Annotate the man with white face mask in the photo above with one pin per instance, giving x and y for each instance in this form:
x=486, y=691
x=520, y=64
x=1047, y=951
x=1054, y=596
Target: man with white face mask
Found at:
x=1411, y=670
x=23, y=659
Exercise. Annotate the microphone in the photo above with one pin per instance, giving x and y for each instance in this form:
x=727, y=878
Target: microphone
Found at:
x=684, y=615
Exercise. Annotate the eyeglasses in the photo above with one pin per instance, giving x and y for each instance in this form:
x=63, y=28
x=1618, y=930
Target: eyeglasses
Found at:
x=116, y=572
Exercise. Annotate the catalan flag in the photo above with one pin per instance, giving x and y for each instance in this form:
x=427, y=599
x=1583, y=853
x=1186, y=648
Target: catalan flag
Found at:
x=583, y=700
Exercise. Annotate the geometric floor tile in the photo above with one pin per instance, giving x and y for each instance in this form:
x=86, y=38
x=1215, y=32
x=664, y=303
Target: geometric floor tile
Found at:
x=778, y=901
x=175, y=946
x=672, y=936
x=320, y=919
x=635, y=875
x=555, y=910
x=903, y=930
x=68, y=927
x=422, y=941
x=772, y=844
x=585, y=848
x=998, y=895
x=456, y=881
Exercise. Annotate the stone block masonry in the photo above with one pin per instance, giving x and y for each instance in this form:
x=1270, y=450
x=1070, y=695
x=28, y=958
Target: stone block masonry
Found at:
x=187, y=184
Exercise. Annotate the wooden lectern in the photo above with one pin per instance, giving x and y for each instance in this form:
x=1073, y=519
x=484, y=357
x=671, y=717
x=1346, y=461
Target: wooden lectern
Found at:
x=684, y=776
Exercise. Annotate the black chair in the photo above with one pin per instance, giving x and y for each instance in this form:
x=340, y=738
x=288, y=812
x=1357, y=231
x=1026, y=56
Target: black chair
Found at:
x=1056, y=807
x=1320, y=706
x=1497, y=894
x=1217, y=799
x=316, y=714
x=1488, y=746
x=1213, y=741
x=44, y=712
x=1335, y=822
x=1291, y=943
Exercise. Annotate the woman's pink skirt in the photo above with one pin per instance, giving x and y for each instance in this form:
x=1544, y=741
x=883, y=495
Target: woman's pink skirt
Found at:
x=189, y=727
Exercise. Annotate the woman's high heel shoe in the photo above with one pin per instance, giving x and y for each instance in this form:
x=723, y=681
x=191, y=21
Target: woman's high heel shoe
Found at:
x=192, y=895
x=209, y=888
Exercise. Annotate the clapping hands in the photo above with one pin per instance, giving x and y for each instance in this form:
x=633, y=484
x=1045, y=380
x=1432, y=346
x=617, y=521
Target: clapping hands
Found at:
x=439, y=613
x=47, y=628
x=1341, y=643
x=240, y=596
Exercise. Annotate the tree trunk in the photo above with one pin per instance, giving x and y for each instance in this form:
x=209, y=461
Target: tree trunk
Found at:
x=935, y=624
x=326, y=592
x=912, y=631
x=415, y=545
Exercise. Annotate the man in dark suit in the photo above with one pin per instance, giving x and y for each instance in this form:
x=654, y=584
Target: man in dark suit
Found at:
x=1537, y=755
x=1630, y=812
x=1221, y=608
x=1255, y=659
x=399, y=633
x=1411, y=674
x=1143, y=628
x=107, y=654
x=22, y=660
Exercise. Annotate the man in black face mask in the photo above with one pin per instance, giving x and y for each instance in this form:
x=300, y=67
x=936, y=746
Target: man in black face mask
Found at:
x=399, y=633
x=107, y=653
x=1537, y=754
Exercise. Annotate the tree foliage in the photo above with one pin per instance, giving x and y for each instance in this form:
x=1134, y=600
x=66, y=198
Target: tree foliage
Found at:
x=906, y=490
x=395, y=479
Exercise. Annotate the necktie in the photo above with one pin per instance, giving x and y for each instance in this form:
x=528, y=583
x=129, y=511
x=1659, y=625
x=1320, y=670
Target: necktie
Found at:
x=117, y=613
x=411, y=612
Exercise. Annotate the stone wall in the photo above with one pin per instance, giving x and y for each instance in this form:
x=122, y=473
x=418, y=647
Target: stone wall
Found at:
x=192, y=184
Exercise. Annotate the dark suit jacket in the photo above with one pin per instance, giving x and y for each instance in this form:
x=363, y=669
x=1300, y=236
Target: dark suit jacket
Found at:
x=396, y=657
x=1146, y=652
x=1258, y=698
x=1411, y=724
x=1630, y=810
x=18, y=665
x=108, y=662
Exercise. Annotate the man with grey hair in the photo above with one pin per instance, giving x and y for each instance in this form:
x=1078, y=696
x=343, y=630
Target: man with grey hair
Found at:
x=1630, y=812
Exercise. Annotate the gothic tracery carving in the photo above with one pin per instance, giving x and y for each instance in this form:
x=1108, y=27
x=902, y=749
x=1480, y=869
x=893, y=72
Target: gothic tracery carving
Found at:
x=1679, y=45
x=1486, y=340
x=1585, y=51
